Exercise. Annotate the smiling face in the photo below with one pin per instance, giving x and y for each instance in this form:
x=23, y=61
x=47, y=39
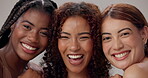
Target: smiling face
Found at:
x=122, y=42
x=75, y=44
x=30, y=34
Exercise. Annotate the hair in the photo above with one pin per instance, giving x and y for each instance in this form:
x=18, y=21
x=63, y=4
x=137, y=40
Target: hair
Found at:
x=98, y=65
x=18, y=10
x=129, y=13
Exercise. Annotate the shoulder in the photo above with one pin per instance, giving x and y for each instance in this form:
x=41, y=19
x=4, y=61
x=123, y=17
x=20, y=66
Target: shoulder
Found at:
x=136, y=71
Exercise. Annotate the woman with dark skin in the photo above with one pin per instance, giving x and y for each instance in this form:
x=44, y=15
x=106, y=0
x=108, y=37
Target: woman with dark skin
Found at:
x=24, y=35
x=124, y=39
x=76, y=50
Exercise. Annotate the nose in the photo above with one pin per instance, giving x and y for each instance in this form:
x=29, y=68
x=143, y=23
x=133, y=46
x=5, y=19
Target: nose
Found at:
x=118, y=44
x=32, y=37
x=74, y=45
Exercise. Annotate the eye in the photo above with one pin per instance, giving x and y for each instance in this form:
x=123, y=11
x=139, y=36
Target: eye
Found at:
x=126, y=34
x=27, y=27
x=64, y=37
x=83, y=38
x=106, y=39
x=44, y=34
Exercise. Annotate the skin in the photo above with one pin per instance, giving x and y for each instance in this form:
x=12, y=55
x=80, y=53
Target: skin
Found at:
x=123, y=45
x=76, y=40
x=29, y=30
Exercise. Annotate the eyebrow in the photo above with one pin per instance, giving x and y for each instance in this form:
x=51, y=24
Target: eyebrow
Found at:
x=65, y=33
x=34, y=25
x=84, y=33
x=124, y=29
x=118, y=31
x=106, y=33
x=78, y=33
x=28, y=22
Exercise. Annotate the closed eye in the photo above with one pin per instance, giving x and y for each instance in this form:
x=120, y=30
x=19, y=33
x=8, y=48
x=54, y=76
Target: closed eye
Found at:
x=44, y=34
x=84, y=38
x=27, y=27
x=64, y=37
x=124, y=34
x=106, y=39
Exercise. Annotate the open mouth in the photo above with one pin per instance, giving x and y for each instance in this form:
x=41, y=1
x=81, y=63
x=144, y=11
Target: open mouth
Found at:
x=28, y=47
x=75, y=59
x=121, y=55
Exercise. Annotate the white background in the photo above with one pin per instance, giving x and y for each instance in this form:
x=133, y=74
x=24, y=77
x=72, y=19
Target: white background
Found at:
x=7, y=5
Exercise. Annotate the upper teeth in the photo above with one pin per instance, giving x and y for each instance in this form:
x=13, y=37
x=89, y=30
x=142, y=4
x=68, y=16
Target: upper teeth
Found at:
x=28, y=47
x=74, y=56
x=121, y=55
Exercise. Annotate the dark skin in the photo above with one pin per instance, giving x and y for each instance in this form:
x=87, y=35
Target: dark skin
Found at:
x=29, y=38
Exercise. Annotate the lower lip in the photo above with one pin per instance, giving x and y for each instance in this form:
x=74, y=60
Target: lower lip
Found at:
x=28, y=51
x=75, y=61
x=122, y=58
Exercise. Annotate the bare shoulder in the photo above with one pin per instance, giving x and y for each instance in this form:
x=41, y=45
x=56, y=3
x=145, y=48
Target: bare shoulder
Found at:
x=139, y=70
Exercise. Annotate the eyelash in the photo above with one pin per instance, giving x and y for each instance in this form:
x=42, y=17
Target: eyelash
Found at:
x=106, y=38
x=27, y=27
x=44, y=33
x=125, y=34
x=63, y=37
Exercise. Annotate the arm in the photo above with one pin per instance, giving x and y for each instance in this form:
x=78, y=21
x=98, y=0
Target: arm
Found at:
x=30, y=74
x=135, y=71
x=116, y=76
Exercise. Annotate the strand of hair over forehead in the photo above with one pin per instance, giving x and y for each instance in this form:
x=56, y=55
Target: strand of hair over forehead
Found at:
x=20, y=7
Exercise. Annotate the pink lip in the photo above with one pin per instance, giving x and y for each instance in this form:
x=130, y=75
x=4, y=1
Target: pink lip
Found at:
x=75, y=62
x=28, y=51
x=122, y=58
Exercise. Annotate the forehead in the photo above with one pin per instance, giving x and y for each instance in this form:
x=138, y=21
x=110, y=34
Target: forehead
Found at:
x=76, y=22
x=36, y=17
x=111, y=24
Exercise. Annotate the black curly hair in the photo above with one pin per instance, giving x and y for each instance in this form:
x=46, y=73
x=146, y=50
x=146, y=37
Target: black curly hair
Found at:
x=98, y=65
x=20, y=8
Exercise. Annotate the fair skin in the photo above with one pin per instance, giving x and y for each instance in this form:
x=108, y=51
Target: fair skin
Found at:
x=123, y=45
x=29, y=38
x=75, y=46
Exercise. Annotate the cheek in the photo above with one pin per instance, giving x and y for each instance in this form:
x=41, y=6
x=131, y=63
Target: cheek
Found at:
x=44, y=42
x=61, y=46
x=87, y=46
x=106, y=47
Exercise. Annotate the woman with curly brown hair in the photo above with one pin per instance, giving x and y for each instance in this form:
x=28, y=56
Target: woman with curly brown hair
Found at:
x=24, y=35
x=124, y=39
x=75, y=51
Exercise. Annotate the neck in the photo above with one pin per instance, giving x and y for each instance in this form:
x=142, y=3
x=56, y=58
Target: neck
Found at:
x=83, y=74
x=15, y=64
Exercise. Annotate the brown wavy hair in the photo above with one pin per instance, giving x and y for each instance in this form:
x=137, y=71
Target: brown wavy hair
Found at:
x=129, y=13
x=98, y=65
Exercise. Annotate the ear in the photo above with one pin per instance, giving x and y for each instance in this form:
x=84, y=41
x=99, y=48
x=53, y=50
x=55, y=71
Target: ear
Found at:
x=144, y=34
x=12, y=27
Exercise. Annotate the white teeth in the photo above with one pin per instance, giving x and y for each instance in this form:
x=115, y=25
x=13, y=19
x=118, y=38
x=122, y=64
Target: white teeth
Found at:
x=75, y=56
x=28, y=47
x=121, y=55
